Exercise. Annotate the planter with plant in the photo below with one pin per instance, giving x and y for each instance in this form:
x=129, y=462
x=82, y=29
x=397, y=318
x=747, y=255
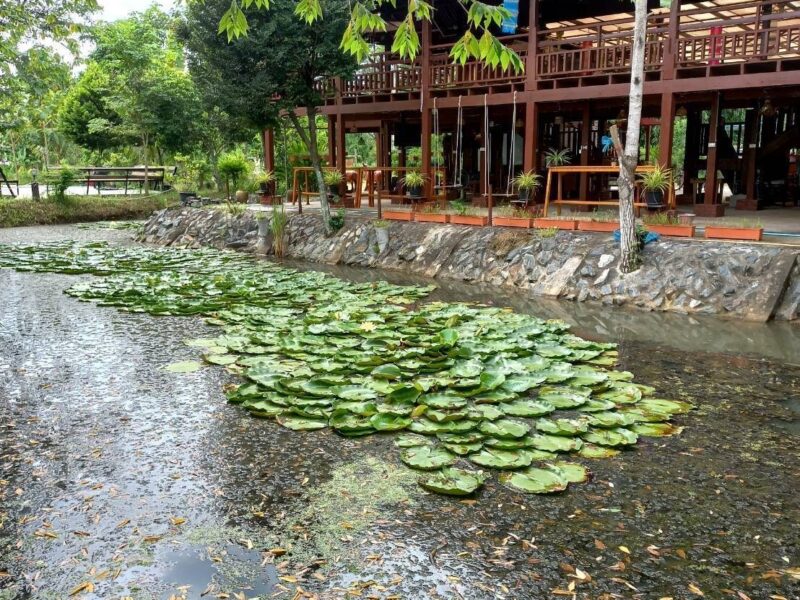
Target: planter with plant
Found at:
x=266, y=186
x=511, y=216
x=655, y=184
x=464, y=214
x=333, y=179
x=601, y=221
x=668, y=225
x=398, y=214
x=431, y=213
x=527, y=183
x=414, y=183
x=232, y=166
x=736, y=230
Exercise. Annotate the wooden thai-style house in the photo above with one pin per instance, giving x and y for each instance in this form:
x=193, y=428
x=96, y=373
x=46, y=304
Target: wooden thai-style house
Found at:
x=705, y=59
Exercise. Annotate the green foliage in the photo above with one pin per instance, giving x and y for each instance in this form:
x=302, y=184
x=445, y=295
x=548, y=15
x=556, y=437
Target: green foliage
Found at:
x=80, y=209
x=657, y=180
x=605, y=216
x=235, y=209
x=557, y=158
x=337, y=220
x=277, y=226
x=332, y=178
x=59, y=183
x=529, y=180
x=459, y=207
x=413, y=179
x=660, y=218
x=233, y=166
x=547, y=232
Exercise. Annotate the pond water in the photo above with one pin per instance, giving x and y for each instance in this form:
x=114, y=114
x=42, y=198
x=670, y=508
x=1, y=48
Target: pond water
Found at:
x=120, y=479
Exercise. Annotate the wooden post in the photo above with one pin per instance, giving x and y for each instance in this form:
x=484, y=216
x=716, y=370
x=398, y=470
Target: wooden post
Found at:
x=586, y=126
x=531, y=138
x=269, y=149
x=341, y=154
x=665, y=133
x=533, y=47
x=331, y=141
x=750, y=152
x=426, y=111
x=711, y=160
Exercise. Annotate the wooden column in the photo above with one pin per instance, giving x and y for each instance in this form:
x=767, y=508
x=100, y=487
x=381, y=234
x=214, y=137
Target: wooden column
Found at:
x=533, y=46
x=331, y=140
x=482, y=156
x=531, y=138
x=710, y=206
x=341, y=153
x=671, y=43
x=666, y=130
x=427, y=169
x=269, y=149
x=586, y=126
x=749, y=162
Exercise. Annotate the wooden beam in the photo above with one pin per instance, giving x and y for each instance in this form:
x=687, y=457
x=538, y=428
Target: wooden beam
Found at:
x=341, y=153
x=750, y=152
x=668, y=62
x=533, y=45
x=425, y=106
x=331, y=140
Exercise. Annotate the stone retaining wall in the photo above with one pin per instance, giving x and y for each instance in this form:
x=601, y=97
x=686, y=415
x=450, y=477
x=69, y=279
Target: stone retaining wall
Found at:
x=747, y=281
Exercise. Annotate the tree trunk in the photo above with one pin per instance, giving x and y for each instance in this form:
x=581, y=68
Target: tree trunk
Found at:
x=310, y=140
x=46, y=146
x=629, y=155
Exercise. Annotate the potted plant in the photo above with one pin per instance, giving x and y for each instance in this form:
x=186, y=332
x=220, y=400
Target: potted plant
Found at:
x=431, y=213
x=466, y=215
x=527, y=183
x=398, y=214
x=333, y=179
x=655, y=183
x=185, y=187
x=668, y=225
x=232, y=166
x=736, y=230
x=511, y=216
x=413, y=182
x=557, y=158
x=601, y=221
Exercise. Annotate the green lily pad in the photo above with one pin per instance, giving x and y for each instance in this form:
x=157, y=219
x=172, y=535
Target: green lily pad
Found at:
x=442, y=401
x=221, y=359
x=527, y=408
x=572, y=472
x=505, y=428
x=593, y=451
x=409, y=440
x=462, y=449
x=453, y=482
x=187, y=366
x=569, y=427
x=386, y=422
x=535, y=481
x=611, y=437
x=656, y=429
x=555, y=443
x=352, y=392
x=297, y=423
x=427, y=458
x=501, y=459
x=390, y=372
x=611, y=419
x=670, y=407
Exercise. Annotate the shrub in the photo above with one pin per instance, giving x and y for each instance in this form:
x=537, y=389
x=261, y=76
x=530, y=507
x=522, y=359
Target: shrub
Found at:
x=337, y=220
x=232, y=166
x=527, y=181
x=278, y=228
x=59, y=183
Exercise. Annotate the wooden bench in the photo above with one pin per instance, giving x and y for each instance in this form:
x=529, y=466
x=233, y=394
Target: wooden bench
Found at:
x=608, y=170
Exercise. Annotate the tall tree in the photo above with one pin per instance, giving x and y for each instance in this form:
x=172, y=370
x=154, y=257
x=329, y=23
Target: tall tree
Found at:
x=629, y=154
x=272, y=71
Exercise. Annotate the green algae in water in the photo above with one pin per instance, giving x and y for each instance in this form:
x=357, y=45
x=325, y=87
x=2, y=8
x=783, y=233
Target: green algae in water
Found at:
x=480, y=384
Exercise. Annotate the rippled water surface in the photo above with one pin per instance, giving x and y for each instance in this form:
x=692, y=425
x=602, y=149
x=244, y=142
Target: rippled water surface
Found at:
x=120, y=479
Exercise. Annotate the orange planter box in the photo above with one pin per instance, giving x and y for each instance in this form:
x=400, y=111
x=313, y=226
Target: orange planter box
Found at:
x=422, y=217
x=474, y=220
x=544, y=223
x=512, y=222
x=735, y=233
x=672, y=230
x=398, y=215
x=598, y=226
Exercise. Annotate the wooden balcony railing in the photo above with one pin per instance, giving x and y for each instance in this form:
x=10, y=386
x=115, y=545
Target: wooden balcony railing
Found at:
x=762, y=30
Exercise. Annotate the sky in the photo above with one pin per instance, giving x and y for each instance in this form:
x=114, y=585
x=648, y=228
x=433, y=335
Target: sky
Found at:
x=117, y=9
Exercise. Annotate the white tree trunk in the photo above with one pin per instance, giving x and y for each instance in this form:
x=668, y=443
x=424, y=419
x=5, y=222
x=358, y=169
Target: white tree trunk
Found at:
x=629, y=155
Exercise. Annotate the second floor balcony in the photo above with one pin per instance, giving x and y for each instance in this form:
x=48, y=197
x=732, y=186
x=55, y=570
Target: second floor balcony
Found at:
x=695, y=39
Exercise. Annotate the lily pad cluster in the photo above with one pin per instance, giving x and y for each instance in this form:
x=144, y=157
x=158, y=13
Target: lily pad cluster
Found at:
x=467, y=387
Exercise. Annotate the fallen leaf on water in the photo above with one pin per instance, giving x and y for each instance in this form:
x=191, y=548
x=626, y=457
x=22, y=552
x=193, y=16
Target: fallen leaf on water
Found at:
x=695, y=590
x=177, y=521
x=599, y=545
x=85, y=587
x=624, y=549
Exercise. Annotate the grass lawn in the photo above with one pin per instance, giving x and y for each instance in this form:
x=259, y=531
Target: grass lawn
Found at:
x=77, y=209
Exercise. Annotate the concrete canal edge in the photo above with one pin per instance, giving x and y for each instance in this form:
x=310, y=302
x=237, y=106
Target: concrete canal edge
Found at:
x=756, y=282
